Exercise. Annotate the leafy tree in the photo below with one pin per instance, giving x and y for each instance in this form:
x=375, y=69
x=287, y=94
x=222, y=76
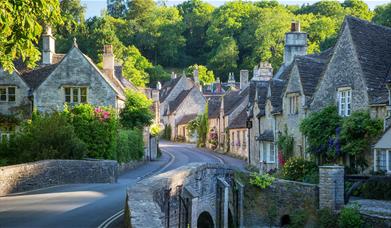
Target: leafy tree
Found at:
x=196, y=19
x=135, y=66
x=383, y=15
x=139, y=9
x=21, y=27
x=157, y=74
x=116, y=8
x=358, y=8
x=136, y=113
x=225, y=57
x=204, y=75
x=327, y=8
x=202, y=128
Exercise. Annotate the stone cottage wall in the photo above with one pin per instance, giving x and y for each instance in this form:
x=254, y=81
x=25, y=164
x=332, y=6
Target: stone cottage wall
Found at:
x=40, y=174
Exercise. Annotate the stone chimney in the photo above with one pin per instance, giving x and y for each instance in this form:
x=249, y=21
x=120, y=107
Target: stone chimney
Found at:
x=264, y=72
x=243, y=79
x=231, y=78
x=158, y=85
x=195, y=76
x=108, y=60
x=173, y=75
x=49, y=45
x=295, y=43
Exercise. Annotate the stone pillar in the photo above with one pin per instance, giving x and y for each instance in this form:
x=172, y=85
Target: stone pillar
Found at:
x=222, y=219
x=331, y=187
x=240, y=202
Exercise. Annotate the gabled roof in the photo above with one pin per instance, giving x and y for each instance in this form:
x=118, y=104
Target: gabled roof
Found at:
x=233, y=98
x=276, y=90
x=373, y=47
x=167, y=88
x=214, y=104
x=35, y=77
x=239, y=121
x=186, y=119
x=173, y=105
x=259, y=89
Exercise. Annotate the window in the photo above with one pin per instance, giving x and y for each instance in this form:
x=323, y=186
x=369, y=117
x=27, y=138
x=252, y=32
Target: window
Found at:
x=267, y=153
x=75, y=94
x=244, y=138
x=293, y=104
x=344, y=102
x=232, y=138
x=383, y=160
x=238, y=138
x=6, y=133
x=7, y=94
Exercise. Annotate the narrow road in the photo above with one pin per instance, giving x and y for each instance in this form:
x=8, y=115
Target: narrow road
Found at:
x=90, y=205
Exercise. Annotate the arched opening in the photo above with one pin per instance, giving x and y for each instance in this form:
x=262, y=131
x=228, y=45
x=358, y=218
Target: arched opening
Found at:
x=285, y=220
x=231, y=223
x=205, y=220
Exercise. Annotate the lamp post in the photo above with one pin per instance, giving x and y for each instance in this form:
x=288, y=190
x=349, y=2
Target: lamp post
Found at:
x=249, y=125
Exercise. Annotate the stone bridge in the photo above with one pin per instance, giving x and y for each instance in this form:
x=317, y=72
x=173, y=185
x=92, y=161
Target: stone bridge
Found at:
x=196, y=195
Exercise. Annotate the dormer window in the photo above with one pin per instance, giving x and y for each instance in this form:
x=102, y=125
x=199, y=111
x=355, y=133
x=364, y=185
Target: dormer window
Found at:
x=75, y=95
x=7, y=94
x=293, y=104
x=344, y=101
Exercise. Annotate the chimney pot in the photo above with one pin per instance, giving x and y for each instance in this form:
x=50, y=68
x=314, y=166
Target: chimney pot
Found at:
x=295, y=26
x=49, y=46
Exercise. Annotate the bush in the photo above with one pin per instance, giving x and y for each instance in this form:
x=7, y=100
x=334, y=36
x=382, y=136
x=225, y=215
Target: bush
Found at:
x=327, y=218
x=376, y=189
x=167, y=132
x=137, y=112
x=350, y=218
x=155, y=130
x=299, y=169
x=45, y=137
x=97, y=128
x=299, y=219
x=130, y=145
x=262, y=181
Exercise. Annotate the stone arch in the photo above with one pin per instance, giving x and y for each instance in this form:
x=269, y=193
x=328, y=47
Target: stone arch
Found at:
x=285, y=220
x=205, y=220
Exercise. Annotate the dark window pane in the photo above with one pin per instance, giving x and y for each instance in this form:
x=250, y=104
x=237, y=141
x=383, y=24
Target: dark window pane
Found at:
x=75, y=92
x=11, y=97
x=11, y=90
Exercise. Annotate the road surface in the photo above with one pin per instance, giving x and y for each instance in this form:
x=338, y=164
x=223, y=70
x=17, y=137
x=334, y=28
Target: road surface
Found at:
x=95, y=205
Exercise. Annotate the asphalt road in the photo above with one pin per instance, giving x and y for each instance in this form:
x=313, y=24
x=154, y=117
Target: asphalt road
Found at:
x=91, y=205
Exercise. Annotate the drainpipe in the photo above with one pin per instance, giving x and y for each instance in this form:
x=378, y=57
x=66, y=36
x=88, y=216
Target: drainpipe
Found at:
x=275, y=147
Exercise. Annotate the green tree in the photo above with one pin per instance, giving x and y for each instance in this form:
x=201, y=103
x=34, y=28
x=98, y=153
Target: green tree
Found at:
x=135, y=66
x=157, y=74
x=137, y=112
x=204, y=75
x=383, y=15
x=116, y=8
x=21, y=27
x=196, y=18
x=225, y=58
x=358, y=8
x=329, y=8
x=139, y=9
x=202, y=128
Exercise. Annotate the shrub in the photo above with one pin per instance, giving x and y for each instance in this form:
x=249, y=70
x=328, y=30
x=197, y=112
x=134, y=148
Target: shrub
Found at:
x=299, y=219
x=327, y=218
x=262, y=181
x=155, y=130
x=45, y=137
x=136, y=113
x=97, y=128
x=350, y=218
x=376, y=189
x=130, y=145
x=299, y=169
x=167, y=132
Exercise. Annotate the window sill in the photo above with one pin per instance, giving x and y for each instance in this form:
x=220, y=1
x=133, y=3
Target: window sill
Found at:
x=7, y=102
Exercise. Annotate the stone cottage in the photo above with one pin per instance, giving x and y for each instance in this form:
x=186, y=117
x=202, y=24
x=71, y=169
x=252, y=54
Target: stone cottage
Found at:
x=180, y=99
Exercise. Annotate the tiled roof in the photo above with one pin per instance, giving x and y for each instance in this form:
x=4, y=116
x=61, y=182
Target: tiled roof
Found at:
x=276, y=89
x=373, y=46
x=214, y=104
x=167, y=87
x=186, y=119
x=260, y=88
x=233, y=99
x=34, y=78
x=173, y=105
x=267, y=136
x=239, y=121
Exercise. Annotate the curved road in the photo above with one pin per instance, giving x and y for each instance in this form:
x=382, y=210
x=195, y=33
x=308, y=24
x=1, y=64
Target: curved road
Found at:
x=90, y=205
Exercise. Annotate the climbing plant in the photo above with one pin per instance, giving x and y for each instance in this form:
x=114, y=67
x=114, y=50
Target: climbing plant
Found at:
x=285, y=145
x=202, y=129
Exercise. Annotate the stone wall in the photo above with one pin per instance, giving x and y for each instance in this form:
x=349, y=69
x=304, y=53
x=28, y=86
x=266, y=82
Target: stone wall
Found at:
x=34, y=175
x=268, y=207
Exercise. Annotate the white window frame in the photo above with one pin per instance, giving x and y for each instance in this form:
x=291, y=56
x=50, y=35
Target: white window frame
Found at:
x=344, y=101
x=387, y=160
x=269, y=151
x=293, y=100
x=79, y=89
x=6, y=133
x=7, y=94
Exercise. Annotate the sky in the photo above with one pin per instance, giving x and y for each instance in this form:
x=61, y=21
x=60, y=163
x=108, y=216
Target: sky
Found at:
x=95, y=7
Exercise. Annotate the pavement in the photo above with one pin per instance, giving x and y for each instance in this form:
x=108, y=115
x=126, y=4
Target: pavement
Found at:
x=96, y=205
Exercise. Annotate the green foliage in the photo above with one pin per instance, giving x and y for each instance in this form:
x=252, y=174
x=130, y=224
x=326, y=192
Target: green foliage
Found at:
x=193, y=125
x=21, y=27
x=155, y=130
x=204, y=75
x=376, y=189
x=350, y=217
x=202, y=128
x=224, y=58
x=327, y=218
x=167, y=132
x=157, y=73
x=261, y=180
x=130, y=145
x=319, y=128
x=45, y=137
x=136, y=113
x=135, y=67
x=383, y=15
x=299, y=219
x=96, y=127
x=299, y=169
x=285, y=144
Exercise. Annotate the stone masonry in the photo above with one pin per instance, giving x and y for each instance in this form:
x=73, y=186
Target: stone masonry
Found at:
x=40, y=174
x=331, y=187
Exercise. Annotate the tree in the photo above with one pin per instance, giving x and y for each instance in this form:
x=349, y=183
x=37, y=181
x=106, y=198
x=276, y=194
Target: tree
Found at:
x=327, y=8
x=139, y=9
x=21, y=27
x=135, y=66
x=225, y=58
x=157, y=74
x=202, y=127
x=116, y=8
x=136, y=113
x=204, y=75
x=358, y=8
x=383, y=15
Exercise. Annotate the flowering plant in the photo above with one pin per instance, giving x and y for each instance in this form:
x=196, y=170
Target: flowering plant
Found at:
x=101, y=114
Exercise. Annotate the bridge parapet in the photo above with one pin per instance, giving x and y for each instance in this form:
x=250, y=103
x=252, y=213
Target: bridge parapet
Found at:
x=178, y=198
